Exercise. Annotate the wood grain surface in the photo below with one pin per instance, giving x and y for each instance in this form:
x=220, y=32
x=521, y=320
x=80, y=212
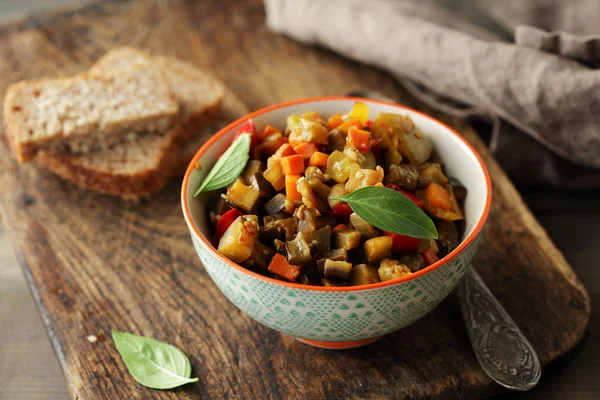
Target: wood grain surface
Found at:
x=96, y=263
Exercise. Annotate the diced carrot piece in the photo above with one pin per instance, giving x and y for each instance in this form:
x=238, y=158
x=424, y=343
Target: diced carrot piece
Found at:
x=306, y=149
x=318, y=159
x=285, y=150
x=281, y=267
x=437, y=196
x=351, y=122
x=292, y=165
x=272, y=143
x=295, y=138
x=334, y=121
x=269, y=129
x=339, y=227
x=429, y=256
x=359, y=139
x=291, y=190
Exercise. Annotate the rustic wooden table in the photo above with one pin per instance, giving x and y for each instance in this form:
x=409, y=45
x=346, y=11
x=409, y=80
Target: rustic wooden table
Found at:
x=29, y=369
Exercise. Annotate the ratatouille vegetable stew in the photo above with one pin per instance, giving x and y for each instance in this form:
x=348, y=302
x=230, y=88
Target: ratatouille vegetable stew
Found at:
x=337, y=201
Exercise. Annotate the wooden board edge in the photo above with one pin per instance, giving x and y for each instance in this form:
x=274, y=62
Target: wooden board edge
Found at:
x=533, y=226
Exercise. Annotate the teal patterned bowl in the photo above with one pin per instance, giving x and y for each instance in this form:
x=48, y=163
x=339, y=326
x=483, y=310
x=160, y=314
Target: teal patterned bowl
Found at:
x=340, y=317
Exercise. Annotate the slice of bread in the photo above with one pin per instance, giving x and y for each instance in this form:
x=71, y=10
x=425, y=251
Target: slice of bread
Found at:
x=86, y=112
x=194, y=89
x=137, y=170
x=142, y=167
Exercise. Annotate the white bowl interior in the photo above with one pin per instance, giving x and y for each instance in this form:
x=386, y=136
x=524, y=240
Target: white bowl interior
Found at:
x=460, y=162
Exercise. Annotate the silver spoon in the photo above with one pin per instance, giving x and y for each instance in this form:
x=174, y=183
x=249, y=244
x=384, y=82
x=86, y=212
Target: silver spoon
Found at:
x=501, y=349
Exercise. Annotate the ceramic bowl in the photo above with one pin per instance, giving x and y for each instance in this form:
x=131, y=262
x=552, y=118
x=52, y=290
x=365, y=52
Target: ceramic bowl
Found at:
x=340, y=317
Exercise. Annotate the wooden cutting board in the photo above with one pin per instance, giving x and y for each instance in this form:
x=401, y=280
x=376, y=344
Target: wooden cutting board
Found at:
x=96, y=263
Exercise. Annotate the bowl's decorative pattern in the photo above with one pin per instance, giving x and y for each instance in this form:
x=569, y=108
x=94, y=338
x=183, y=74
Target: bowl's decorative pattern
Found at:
x=336, y=316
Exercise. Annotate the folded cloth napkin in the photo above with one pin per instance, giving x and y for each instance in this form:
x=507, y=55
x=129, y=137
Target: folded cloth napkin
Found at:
x=543, y=85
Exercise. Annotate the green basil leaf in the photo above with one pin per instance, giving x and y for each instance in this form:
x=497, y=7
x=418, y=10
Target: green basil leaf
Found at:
x=229, y=166
x=391, y=211
x=152, y=363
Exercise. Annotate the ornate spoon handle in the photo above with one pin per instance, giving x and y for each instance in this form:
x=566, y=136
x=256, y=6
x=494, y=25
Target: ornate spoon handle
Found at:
x=500, y=347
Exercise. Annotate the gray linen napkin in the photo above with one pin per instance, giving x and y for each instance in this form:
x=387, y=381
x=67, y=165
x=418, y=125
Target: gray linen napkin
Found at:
x=543, y=87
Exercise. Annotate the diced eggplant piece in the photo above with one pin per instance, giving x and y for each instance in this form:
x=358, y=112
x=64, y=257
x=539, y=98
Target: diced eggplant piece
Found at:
x=260, y=184
x=347, y=239
x=335, y=255
x=280, y=247
x=239, y=239
x=332, y=283
x=252, y=167
x=459, y=190
x=433, y=172
x=306, y=130
x=268, y=234
x=274, y=175
x=303, y=280
x=306, y=218
x=320, y=240
x=360, y=178
x=298, y=251
x=325, y=220
x=242, y=196
x=338, y=270
x=308, y=197
x=425, y=244
x=321, y=190
x=404, y=175
x=447, y=236
x=378, y=248
x=414, y=262
x=288, y=226
x=276, y=204
x=337, y=141
x=363, y=274
x=260, y=258
x=223, y=207
x=369, y=162
x=392, y=269
x=336, y=191
x=366, y=230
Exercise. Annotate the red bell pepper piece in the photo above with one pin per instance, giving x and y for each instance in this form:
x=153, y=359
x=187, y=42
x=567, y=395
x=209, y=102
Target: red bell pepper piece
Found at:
x=408, y=194
x=225, y=221
x=248, y=127
x=429, y=256
x=369, y=124
x=402, y=243
x=342, y=210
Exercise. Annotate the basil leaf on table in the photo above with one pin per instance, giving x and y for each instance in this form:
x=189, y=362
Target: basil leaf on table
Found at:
x=391, y=211
x=152, y=363
x=229, y=166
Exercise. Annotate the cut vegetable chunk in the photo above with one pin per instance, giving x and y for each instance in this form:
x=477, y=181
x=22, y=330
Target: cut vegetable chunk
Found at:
x=376, y=249
x=280, y=267
x=364, y=274
x=238, y=240
x=291, y=189
x=339, y=270
x=292, y=165
x=242, y=196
